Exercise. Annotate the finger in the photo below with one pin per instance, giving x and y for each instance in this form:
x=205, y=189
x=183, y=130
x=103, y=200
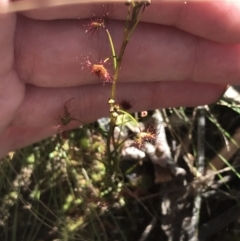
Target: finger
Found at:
x=11, y=96
x=45, y=106
x=37, y=120
x=52, y=54
x=215, y=20
x=11, y=89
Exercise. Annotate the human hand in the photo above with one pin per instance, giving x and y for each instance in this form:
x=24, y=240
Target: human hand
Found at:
x=180, y=55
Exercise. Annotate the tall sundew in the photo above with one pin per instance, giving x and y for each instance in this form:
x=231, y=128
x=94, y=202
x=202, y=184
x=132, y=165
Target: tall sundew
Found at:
x=66, y=117
x=101, y=22
x=95, y=24
x=126, y=104
x=99, y=70
x=144, y=136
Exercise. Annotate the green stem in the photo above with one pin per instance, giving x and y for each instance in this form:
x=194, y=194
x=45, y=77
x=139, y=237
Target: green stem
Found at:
x=119, y=58
x=119, y=62
x=114, y=85
x=133, y=17
x=112, y=49
x=131, y=24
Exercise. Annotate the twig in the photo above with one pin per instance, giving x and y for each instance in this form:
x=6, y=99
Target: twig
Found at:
x=225, y=154
x=160, y=154
x=193, y=229
x=219, y=222
x=148, y=229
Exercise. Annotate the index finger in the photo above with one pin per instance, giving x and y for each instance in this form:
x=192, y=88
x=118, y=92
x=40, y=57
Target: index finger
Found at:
x=211, y=19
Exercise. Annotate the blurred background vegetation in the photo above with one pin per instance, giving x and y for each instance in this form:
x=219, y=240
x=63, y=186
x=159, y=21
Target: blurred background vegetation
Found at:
x=60, y=189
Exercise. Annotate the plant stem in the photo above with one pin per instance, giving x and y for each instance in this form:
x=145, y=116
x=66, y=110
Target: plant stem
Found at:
x=133, y=18
x=112, y=49
x=131, y=24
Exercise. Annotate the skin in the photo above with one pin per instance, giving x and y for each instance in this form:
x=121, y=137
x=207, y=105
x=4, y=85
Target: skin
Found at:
x=180, y=55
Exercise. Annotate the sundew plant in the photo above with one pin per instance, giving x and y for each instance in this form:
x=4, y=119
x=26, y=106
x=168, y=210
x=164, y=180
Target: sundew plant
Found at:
x=118, y=109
